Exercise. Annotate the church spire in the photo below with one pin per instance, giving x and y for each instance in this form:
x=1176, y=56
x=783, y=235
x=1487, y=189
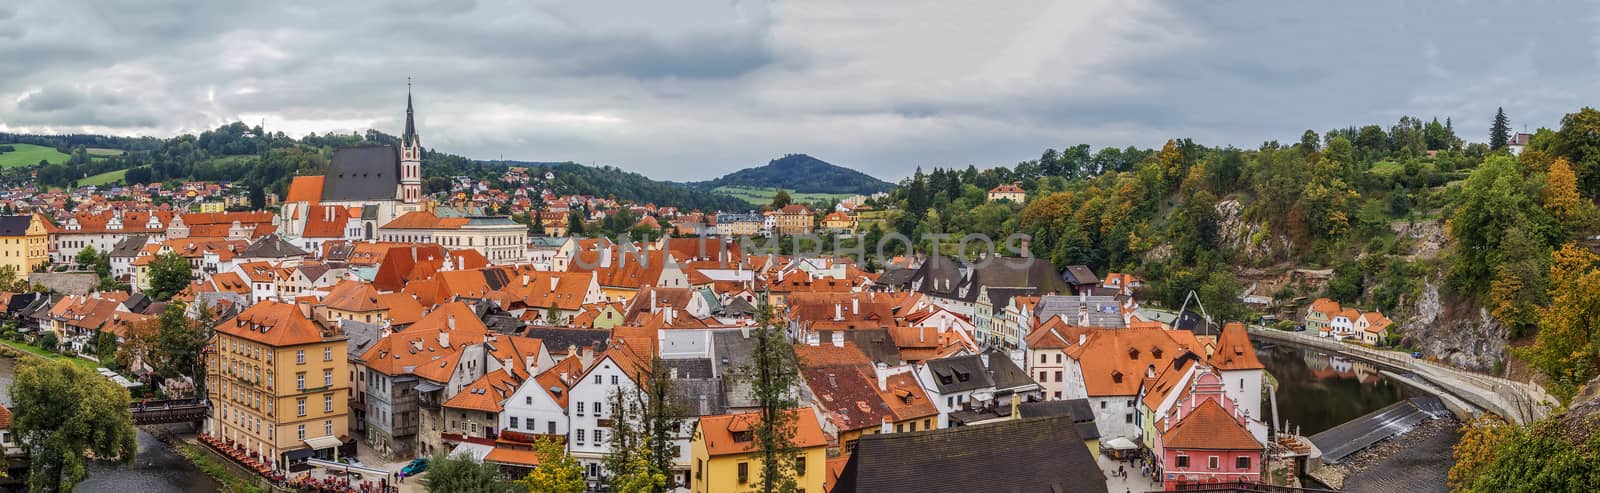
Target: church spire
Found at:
x=411, y=125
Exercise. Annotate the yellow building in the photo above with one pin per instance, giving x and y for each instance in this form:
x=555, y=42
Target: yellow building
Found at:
x=278, y=384
x=207, y=207
x=726, y=458
x=795, y=219
x=24, y=243
x=839, y=222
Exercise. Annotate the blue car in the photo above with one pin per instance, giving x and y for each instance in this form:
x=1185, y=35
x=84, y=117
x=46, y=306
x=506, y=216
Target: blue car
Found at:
x=415, y=467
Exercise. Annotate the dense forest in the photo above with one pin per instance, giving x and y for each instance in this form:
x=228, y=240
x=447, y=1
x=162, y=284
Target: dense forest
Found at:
x=268, y=161
x=801, y=173
x=1190, y=217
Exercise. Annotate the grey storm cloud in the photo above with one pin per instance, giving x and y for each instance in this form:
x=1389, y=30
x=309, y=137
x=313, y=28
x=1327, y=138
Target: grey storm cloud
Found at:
x=695, y=88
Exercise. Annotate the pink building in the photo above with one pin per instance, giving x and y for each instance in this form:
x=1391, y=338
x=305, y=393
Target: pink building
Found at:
x=1206, y=440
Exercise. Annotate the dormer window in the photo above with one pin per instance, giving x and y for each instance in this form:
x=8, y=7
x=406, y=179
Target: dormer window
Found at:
x=1133, y=353
x=1155, y=353
x=1116, y=377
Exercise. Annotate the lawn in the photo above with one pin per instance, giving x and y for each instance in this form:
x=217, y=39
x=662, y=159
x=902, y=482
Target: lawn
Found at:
x=101, y=151
x=106, y=178
x=46, y=354
x=29, y=155
x=763, y=196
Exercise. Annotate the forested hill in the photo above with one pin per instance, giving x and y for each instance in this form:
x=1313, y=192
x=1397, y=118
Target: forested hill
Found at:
x=1412, y=220
x=801, y=173
x=608, y=181
x=240, y=153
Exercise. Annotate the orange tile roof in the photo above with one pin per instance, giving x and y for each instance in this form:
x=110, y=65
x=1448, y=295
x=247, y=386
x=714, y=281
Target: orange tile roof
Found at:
x=403, y=309
x=1115, y=361
x=1166, y=382
x=417, y=350
x=5, y=418
x=326, y=221
x=1325, y=306
x=729, y=434
x=1006, y=188
x=1057, y=334
x=905, y=397
x=512, y=455
x=1209, y=427
x=1234, y=351
x=305, y=189
x=488, y=393
x=562, y=375
x=353, y=296
x=275, y=324
x=425, y=220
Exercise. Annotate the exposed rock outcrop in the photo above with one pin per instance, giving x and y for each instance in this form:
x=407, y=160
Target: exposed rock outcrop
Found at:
x=1456, y=332
x=1254, y=240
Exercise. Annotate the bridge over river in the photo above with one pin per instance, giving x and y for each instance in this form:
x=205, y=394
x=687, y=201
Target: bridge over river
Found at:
x=168, y=411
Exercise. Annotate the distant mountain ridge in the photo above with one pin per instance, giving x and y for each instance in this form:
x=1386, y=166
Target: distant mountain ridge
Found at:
x=801, y=173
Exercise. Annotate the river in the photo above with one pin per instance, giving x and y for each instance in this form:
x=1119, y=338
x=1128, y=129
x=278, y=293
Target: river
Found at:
x=1317, y=391
x=155, y=468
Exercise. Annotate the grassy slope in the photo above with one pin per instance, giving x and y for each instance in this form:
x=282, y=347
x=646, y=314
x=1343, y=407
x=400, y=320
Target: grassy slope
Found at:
x=29, y=154
x=763, y=196
x=104, y=178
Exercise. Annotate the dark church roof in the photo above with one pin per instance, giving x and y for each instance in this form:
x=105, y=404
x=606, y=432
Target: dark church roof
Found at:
x=1038, y=455
x=272, y=246
x=14, y=225
x=368, y=172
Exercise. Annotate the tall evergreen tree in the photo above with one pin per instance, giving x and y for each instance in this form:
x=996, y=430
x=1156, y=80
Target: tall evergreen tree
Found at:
x=661, y=413
x=773, y=376
x=1500, y=132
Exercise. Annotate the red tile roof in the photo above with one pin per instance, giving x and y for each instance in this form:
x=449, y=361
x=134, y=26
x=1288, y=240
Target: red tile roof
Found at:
x=1209, y=427
x=275, y=324
x=730, y=434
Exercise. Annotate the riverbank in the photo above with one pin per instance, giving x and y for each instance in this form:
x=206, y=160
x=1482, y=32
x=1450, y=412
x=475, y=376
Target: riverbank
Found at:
x=13, y=349
x=156, y=466
x=1415, y=462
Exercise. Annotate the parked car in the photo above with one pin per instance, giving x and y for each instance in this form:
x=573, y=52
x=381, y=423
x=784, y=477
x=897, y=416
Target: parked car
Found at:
x=1416, y=354
x=351, y=461
x=417, y=466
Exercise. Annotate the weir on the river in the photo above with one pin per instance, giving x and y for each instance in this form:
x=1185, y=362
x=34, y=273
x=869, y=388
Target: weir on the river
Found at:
x=1356, y=435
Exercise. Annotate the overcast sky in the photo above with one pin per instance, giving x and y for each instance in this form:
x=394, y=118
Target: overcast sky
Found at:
x=689, y=89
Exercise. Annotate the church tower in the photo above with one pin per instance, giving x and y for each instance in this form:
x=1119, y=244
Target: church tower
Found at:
x=410, y=157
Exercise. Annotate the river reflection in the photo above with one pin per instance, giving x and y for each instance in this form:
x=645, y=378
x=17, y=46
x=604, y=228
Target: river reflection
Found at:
x=155, y=469
x=1317, y=391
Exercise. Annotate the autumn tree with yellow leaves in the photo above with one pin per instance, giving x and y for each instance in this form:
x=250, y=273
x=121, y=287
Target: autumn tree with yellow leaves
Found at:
x=1569, y=325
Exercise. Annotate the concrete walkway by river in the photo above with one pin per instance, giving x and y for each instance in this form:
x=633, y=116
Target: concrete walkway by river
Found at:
x=1519, y=402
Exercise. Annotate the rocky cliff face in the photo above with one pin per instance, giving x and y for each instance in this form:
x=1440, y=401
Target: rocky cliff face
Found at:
x=1454, y=331
x=1254, y=240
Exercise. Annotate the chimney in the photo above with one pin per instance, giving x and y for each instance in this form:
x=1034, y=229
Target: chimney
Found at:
x=1025, y=251
x=744, y=331
x=838, y=338
x=883, y=377
x=572, y=351
x=652, y=300
x=855, y=306
x=1082, y=338
x=838, y=312
x=510, y=370
x=1083, y=315
x=450, y=321
x=553, y=281
x=985, y=358
x=525, y=280
x=444, y=339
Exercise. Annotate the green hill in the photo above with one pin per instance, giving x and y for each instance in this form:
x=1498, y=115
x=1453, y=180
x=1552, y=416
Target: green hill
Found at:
x=29, y=155
x=803, y=174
